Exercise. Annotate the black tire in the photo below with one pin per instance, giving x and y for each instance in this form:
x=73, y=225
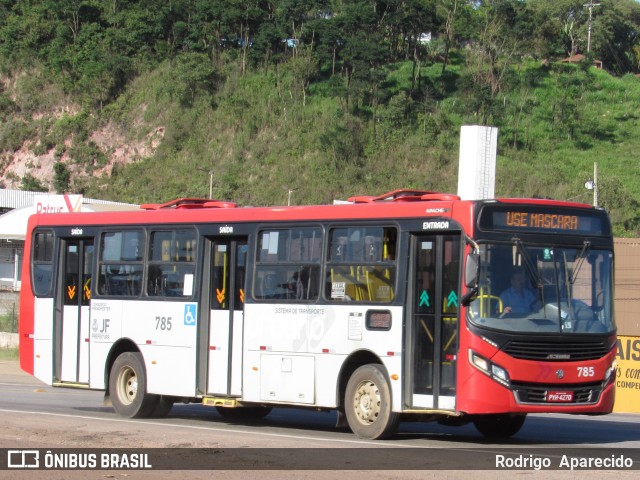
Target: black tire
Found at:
x=499, y=425
x=368, y=404
x=247, y=413
x=128, y=387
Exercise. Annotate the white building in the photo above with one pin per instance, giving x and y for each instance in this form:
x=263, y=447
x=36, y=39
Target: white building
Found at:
x=18, y=206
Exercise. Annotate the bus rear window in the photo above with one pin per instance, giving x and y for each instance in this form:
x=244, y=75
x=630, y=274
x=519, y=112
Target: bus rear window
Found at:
x=42, y=263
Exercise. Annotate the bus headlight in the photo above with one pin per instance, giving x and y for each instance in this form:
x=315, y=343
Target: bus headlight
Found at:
x=490, y=369
x=500, y=374
x=479, y=362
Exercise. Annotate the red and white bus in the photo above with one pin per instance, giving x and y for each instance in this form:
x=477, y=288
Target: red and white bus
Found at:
x=394, y=306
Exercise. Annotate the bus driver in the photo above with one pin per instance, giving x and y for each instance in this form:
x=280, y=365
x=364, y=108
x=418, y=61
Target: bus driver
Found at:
x=517, y=298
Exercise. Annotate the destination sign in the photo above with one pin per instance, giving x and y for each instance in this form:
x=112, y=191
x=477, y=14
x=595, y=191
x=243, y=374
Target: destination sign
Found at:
x=543, y=219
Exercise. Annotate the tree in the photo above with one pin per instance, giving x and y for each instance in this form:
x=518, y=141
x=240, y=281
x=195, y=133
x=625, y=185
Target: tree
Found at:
x=26, y=33
x=616, y=35
x=448, y=11
x=191, y=74
x=302, y=67
x=327, y=43
x=496, y=45
x=364, y=52
x=61, y=178
x=408, y=21
x=30, y=183
x=244, y=19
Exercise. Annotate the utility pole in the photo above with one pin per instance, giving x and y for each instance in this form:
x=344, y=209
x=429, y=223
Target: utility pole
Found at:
x=593, y=184
x=590, y=6
x=210, y=173
x=291, y=190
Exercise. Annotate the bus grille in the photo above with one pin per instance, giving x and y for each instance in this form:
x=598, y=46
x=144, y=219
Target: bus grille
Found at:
x=556, y=352
x=582, y=394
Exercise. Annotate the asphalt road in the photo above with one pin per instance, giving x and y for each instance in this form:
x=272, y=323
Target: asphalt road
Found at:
x=35, y=416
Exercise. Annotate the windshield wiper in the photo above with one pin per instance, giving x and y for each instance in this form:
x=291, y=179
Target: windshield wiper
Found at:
x=580, y=258
x=528, y=263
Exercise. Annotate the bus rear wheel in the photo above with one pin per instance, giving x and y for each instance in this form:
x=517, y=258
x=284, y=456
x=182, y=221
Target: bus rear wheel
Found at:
x=368, y=404
x=128, y=387
x=499, y=425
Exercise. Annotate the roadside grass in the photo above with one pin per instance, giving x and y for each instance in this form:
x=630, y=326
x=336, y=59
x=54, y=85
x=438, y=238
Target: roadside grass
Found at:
x=8, y=323
x=8, y=354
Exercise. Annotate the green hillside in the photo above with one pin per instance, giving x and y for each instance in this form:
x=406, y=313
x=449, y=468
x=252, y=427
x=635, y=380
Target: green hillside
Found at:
x=295, y=123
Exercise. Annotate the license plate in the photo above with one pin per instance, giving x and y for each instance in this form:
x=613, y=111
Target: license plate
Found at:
x=559, y=397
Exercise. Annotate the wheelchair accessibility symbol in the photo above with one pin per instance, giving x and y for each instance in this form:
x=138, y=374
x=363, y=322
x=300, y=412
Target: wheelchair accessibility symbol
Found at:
x=190, y=314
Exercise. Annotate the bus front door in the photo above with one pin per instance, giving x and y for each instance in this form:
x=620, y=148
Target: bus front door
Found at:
x=226, y=263
x=434, y=321
x=72, y=311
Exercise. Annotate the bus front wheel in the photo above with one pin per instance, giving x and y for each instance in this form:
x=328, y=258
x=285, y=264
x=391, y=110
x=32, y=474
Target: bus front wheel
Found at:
x=368, y=404
x=128, y=387
x=500, y=425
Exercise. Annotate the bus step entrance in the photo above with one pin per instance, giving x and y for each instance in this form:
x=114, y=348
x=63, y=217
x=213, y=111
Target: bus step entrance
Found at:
x=220, y=402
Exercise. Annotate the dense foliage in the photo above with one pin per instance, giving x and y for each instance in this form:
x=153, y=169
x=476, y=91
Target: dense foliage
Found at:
x=315, y=99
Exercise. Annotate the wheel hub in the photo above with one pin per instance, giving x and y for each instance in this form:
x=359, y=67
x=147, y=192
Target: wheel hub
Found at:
x=128, y=386
x=367, y=402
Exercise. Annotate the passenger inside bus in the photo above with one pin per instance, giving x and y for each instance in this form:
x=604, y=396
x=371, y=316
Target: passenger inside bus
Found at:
x=301, y=284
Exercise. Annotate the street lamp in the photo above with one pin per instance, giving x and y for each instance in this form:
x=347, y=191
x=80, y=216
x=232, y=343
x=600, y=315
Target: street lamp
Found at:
x=593, y=184
x=210, y=172
x=291, y=190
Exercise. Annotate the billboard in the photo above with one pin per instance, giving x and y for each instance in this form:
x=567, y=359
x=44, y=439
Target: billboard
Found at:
x=628, y=375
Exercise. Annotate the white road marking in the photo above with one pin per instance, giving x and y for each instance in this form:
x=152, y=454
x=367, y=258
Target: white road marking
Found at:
x=214, y=429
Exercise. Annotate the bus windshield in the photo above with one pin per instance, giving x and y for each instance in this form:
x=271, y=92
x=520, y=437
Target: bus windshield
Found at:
x=544, y=289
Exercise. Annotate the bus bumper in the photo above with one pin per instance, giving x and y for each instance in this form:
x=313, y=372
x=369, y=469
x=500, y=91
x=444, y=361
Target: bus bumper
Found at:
x=483, y=395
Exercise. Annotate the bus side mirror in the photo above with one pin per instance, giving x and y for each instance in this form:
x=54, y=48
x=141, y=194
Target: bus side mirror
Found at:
x=471, y=270
x=471, y=274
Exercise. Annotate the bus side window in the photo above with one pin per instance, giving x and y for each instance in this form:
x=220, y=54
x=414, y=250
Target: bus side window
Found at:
x=271, y=284
x=121, y=280
x=288, y=264
x=154, y=282
x=171, y=258
x=307, y=283
x=379, y=286
x=120, y=263
x=361, y=264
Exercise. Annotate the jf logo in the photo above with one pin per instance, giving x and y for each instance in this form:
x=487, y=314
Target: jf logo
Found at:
x=100, y=328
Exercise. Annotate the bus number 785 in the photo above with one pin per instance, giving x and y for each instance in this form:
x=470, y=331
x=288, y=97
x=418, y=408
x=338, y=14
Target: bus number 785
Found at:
x=163, y=323
x=586, y=372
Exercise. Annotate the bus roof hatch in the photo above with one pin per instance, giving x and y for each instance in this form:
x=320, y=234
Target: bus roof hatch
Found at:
x=189, y=203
